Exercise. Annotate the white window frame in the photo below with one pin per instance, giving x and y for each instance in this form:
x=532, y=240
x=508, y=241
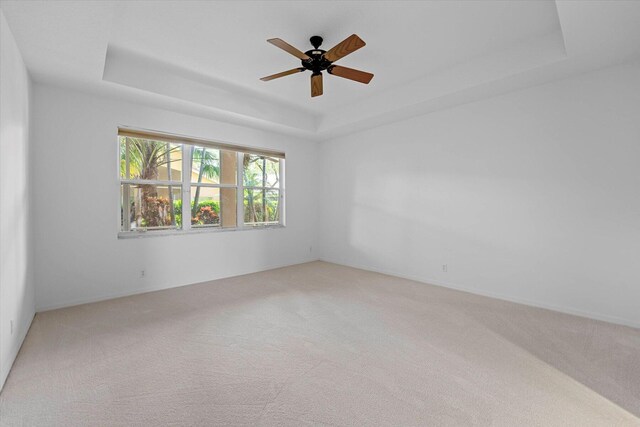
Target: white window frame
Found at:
x=187, y=144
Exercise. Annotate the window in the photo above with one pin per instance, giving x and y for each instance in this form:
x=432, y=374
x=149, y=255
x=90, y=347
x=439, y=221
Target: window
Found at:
x=261, y=178
x=165, y=179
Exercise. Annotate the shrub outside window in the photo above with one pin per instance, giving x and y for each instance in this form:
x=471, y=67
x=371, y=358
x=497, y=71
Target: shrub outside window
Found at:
x=165, y=179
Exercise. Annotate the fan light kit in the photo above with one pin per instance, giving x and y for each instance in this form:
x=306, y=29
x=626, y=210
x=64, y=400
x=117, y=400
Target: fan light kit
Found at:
x=317, y=60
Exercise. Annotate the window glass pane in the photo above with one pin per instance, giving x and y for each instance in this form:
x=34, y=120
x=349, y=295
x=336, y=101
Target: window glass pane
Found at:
x=205, y=165
x=261, y=206
x=272, y=200
x=122, y=142
x=228, y=167
x=261, y=171
x=252, y=172
x=171, y=167
x=149, y=159
x=228, y=211
x=205, y=206
x=272, y=172
x=150, y=207
x=253, y=206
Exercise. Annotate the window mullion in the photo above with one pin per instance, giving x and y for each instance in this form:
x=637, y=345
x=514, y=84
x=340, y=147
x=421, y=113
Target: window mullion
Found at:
x=150, y=182
x=187, y=152
x=207, y=185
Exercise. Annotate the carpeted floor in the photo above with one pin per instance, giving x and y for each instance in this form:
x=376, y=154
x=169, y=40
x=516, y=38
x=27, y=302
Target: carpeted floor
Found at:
x=321, y=344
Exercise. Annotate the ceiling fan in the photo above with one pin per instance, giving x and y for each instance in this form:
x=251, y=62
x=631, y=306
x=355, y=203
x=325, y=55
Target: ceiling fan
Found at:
x=317, y=60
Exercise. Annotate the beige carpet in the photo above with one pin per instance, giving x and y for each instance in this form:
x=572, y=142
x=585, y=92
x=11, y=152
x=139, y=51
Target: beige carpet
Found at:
x=321, y=344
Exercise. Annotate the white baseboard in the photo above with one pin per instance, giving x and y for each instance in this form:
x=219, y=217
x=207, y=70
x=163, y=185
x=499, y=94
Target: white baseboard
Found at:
x=523, y=301
x=138, y=291
x=8, y=364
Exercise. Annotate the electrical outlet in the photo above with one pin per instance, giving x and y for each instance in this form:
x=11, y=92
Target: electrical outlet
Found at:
x=11, y=323
x=142, y=274
x=310, y=249
x=445, y=268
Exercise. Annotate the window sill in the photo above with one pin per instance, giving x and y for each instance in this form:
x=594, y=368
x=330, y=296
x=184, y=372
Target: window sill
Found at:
x=143, y=234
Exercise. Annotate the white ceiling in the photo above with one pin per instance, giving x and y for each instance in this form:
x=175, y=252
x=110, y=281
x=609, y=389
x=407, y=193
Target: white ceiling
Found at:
x=208, y=56
x=227, y=40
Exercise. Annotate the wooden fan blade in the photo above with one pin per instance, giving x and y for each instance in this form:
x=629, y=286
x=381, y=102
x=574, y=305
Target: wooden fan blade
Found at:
x=316, y=85
x=288, y=48
x=344, y=48
x=282, y=74
x=350, y=73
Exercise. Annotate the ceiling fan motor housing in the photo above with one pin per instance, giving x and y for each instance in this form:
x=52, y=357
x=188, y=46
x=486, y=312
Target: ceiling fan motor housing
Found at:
x=317, y=62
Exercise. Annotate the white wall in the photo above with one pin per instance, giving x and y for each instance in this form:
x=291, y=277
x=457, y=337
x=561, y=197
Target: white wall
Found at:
x=75, y=179
x=533, y=196
x=16, y=280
